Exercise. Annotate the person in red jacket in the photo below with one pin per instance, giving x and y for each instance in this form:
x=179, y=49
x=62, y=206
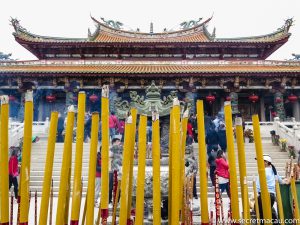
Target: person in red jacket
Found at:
x=190, y=136
x=13, y=171
x=98, y=178
x=222, y=170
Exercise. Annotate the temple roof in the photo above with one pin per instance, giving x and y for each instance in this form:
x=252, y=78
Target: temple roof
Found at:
x=196, y=36
x=107, y=34
x=148, y=67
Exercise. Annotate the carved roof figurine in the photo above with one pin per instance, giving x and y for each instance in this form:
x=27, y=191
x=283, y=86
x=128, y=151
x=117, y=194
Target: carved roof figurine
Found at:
x=5, y=56
x=190, y=23
x=152, y=91
x=287, y=24
x=296, y=56
x=114, y=24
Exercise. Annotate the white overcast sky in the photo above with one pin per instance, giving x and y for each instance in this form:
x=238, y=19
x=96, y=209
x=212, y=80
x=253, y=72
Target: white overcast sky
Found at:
x=71, y=18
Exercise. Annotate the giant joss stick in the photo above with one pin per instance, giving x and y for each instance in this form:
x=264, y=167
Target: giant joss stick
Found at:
x=104, y=153
x=265, y=197
x=139, y=218
x=4, y=213
x=48, y=169
x=76, y=195
x=175, y=162
x=184, y=122
x=65, y=168
x=26, y=155
x=125, y=171
x=231, y=158
x=156, y=169
x=202, y=166
x=133, y=113
x=92, y=170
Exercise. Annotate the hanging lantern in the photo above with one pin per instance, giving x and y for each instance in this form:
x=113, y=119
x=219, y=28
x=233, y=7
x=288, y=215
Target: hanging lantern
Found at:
x=228, y=98
x=253, y=98
x=278, y=100
x=274, y=114
x=93, y=98
x=11, y=98
x=210, y=98
x=50, y=98
x=292, y=98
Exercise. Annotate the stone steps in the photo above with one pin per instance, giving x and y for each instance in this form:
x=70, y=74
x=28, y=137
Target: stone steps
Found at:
x=39, y=152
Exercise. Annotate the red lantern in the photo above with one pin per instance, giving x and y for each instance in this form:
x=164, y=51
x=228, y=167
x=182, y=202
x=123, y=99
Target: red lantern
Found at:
x=11, y=98
x=273, y=114
x=253, y=98
x=50, y=98
x=93, y=98
x=210, y=98
x=228, y=98
x=278, y=100
x=292, y=98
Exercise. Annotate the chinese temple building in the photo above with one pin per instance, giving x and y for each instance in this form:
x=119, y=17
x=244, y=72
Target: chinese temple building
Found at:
x=191, y=63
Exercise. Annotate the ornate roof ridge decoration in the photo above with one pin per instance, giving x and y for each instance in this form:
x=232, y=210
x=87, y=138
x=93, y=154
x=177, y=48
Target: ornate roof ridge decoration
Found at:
x=111, y=31
x=279, y=34
x=23, y=33
x=146, y=106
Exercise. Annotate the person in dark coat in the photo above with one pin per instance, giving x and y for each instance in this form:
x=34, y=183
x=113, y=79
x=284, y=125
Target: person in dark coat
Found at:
x=60, y=128
x=212, y=165
x=212, y=140
x=222, y=137
x=98, y=178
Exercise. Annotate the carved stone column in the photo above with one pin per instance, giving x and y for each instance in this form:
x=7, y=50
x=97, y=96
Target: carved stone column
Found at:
x=190, y=98
x=262, y=109
x=113, y=95
x=234, y=102
x=279, y=106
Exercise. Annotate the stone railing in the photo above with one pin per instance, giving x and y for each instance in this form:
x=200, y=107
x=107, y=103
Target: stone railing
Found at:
x=16, y=131
x=290, y=131
x=265, y=128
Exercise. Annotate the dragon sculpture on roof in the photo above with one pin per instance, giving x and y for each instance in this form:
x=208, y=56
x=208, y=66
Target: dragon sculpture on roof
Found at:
x=114, y=24
x=287, y=24
x=16, y=24
x=5, y=56
x=189, y=24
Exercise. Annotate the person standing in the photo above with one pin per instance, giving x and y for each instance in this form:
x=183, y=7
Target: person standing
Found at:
x=190, y=137
x=212, y=139
x=98, y=178
x=60, y=128
x=212, y=165
x=222, y=170
x=222, y=136
x=113, y=125
x=121, y=129
x=13, y=171
x=115, y=155
x=271, y=177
